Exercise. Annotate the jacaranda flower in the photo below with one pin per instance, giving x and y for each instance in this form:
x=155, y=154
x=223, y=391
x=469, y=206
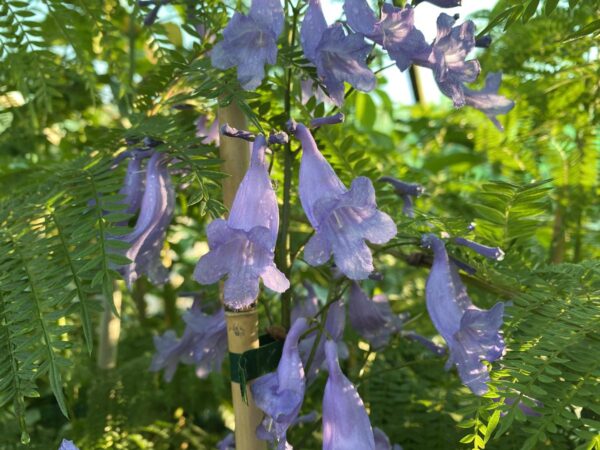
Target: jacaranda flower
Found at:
x=346, y=425
x=489, y=252
x=343, y=219
x=372, y=319
x=280, y=394
x=307, y=306
x=133, y=187
x=406, y=191
x=382, y=442
x=209, y=135
x=338, y=56
x=249, y=42
x=67, y=445
x=204, y=343
x=266, y=431
x=472, y=334
x=148, y=236
x=442, y=3
x=308, y=89
x=242, y=247
x=488, y=101
x=227, y=443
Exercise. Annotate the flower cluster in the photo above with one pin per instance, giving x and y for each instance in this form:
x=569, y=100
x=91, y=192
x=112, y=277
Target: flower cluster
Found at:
x=204, y=343
x=447, y=56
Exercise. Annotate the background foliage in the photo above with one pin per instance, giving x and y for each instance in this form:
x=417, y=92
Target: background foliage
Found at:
x=78, y=78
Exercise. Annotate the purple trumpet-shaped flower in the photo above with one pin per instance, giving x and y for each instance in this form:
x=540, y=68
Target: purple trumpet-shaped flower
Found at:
x=395, y=31
x=338, y=56
x=148, y=236
x=382, y=442
x=427, y=343
x=346, y=425
x=306, y=307
x=448, y=58
x=249, y=42
x=343, y=219
x=309, y=88
x=280, y=394
x=242, y=247
x=204, y=343
x=488, y=101
x=372, y=319
x=328, y=120
x=489, y=252
x=209, y=135
x=406, y=191
x=133, y=187
x=472, y=334
x=442, y=3
x=67, y=445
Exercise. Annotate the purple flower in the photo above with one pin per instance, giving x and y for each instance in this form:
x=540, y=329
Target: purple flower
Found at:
x=489, y=252
x=133, y=186
x=450, y=49
x=382, y=442
x=427, y=343
x=338, y=56
x=472, y=334
x=307, y=306
x=249, y=42
x=209, y=135
x=309, y=88
x=148, y=236
x=346, y=424
x=372, y=319
x=67, y=445
x=488, y=101
x=204, y=343
x=266, y=431
x=406, y=191
x=395, y=31
x=242, y=247
x=227, y=443
x=343, y=219
x=280, y=394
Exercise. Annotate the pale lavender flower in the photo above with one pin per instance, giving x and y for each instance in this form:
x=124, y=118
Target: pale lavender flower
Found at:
x=307, y=306
x=406, y=191
x=343, y=219
x=249, y=42
x=280, y=394
x=488, y=101
x=209, y=135
x=427, y=343
x=308, y=89
x=448, y=59
x=489, y=252
x=372, y=319
x=382, y=442
x=337, y=56
x=67, y=445
x=266, y=430
x=204, y=343
x=227, y=443
x=346, y=425
x=148, y=236
x=472, y=334
x=242, y=247
x=328, y=120
x=133, y=187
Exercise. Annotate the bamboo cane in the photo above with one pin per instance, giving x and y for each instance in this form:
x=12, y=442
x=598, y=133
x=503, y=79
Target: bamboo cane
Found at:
x=242, y=326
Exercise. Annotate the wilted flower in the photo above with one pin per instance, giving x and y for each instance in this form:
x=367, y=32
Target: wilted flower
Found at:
x=204, y=343
x=343, y=219
x=382, y=442
x=345, y=421
x=406, y=191
x=280, y=394
x=472, y=334
x=489, y=252
x=488, y=101
x=67, y=445
x=148, y=235
x=249, y=42
x=338, y=56
x=209, y=135
x=242, y=247
x=372, y=319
